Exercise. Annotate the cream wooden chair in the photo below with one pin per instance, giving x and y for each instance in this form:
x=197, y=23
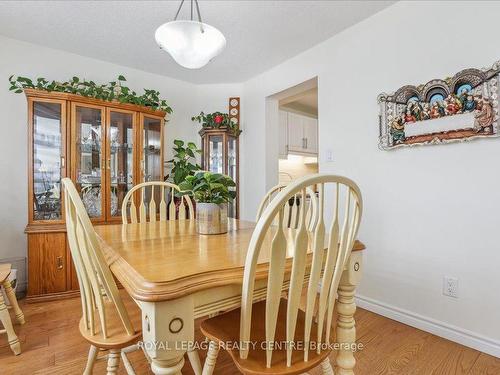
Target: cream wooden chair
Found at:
x=292, y=208
x=107, y=322
x=150, y=193
x=279, y=320
x=14, y=343
x=155, y=196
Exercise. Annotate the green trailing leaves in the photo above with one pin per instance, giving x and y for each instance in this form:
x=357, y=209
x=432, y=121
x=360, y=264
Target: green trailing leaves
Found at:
x=209, y=187
x=89, y=89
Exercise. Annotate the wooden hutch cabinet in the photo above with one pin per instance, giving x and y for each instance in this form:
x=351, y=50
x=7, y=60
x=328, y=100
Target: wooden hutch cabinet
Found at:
x=105, y=148
x=220, y=154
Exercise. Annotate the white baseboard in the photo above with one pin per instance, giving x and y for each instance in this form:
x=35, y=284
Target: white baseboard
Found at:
x=438, y=328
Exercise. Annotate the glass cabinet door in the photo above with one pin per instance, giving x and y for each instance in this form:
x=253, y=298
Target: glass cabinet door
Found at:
x=48, y=159
x=88, y=130
x=216, y=153
x=232, y=165
x=120, y=159
x=151, y=149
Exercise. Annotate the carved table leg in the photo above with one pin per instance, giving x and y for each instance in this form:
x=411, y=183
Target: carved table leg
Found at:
x=346, y=326
x=167, y=367
x=168, y=332
x=13, y=301
x=14, y=343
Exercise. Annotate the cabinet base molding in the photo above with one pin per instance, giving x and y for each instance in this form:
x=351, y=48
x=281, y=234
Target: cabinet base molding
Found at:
x=52, y=296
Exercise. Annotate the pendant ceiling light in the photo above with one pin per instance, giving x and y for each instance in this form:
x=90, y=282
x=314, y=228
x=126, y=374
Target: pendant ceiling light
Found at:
x=192, y=44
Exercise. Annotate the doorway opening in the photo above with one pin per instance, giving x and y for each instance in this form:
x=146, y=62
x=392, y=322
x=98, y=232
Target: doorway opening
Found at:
x=298, y=131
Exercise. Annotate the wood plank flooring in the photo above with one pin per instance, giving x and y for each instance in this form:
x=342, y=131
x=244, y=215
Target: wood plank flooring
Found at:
x=51, y=344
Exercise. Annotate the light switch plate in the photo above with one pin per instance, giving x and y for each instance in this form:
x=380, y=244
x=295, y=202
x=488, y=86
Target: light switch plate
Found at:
x=329, y=156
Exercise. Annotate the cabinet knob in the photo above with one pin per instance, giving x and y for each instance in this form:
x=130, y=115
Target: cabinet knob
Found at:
x=59, y=261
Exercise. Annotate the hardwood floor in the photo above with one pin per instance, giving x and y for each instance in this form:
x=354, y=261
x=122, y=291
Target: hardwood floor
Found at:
x=51, y=344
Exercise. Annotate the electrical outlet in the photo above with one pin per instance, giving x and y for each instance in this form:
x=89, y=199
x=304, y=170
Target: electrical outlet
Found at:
x=450, y=286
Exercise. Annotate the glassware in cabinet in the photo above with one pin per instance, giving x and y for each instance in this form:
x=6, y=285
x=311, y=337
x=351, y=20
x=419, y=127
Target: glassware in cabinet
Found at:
x=232, y=171
x=216, y=153
x=47, y=159
x=89, y=171
x=151, y=143
x=120, y=159
x=152, y=156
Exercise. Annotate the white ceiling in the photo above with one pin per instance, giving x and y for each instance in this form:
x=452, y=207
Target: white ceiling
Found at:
x=260, y=34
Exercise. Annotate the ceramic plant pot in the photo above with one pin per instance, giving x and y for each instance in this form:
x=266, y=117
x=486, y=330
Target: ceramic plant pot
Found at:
x=211, y=218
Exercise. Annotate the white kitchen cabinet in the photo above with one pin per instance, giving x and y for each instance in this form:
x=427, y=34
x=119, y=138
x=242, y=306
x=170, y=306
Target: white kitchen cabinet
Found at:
x=310, y=126
x=295, y=133
x=301, y=134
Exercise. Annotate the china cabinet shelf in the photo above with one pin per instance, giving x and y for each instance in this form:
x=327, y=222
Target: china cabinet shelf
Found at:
x=105, y=148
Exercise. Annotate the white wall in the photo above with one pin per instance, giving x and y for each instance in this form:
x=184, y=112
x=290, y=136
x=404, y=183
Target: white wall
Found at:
x=429, y=211
x=31, y=60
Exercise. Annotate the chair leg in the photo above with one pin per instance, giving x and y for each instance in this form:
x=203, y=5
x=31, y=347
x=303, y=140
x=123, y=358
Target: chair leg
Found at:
x=213, y=352
x=126, y=363
x=194, y=359
x=113, y=361
x=13, y=301
x=14, y=343
x=326, y=367
x=91, y=359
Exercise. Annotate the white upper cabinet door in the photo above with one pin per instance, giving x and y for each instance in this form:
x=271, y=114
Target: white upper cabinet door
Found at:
x=283, y=135
x=310, y=134
x=296, y=140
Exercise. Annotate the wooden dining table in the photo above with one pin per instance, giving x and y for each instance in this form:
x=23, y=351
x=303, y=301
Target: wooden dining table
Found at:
x=176, y=275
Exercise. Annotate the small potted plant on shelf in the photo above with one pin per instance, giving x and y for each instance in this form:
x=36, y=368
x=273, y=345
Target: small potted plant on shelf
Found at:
x=217, y=120
x=184, y=165
x=212, y=193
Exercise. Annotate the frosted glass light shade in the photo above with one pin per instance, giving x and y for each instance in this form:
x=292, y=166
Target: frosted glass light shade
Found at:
x=189, y=46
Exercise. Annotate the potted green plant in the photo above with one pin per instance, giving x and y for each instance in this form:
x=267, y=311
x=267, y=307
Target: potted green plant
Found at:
x=184, y=164
x=212, y=192
x=217, y=120
x=184, y=161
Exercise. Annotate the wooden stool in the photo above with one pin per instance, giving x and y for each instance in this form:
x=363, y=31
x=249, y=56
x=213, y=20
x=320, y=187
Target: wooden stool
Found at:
x=14, y=343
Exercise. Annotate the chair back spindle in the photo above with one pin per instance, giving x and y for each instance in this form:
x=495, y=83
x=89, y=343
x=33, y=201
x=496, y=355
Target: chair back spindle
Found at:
x=293, y=207
x=328, y=261
x=157, y=200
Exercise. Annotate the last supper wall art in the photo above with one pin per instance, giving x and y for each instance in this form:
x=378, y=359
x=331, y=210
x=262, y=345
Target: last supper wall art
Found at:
x=454, y=109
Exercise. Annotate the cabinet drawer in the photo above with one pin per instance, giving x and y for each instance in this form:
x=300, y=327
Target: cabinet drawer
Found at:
x=47, y=263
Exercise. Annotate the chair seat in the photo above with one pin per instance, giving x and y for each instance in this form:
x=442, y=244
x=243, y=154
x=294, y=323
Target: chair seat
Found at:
x=4, y=271
x=225, y=328
x=117, y=336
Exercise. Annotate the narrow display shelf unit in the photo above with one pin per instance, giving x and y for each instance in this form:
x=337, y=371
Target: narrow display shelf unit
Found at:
x=220, y=154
